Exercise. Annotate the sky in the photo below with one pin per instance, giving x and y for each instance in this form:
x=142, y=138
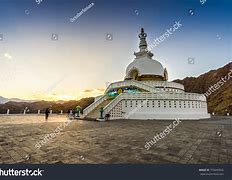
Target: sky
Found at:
x=43, y=55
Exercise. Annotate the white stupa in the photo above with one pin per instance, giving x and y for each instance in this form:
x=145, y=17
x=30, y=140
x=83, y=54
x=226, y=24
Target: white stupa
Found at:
x=146, y=94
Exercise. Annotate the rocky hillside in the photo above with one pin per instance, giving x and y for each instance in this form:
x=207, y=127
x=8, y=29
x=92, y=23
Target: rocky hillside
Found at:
x=220, y=96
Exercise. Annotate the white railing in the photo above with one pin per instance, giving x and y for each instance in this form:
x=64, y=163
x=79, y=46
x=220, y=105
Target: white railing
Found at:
x=166, y=84
x=113, y=103
x=92, y=106
x=165, y=95
x=143, y=95
x=131, y=83
x=153, y=96
x=97, y=97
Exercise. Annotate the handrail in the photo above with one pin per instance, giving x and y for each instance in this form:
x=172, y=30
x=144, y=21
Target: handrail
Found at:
x=112, y=104
x=92, y=106
x=131, y=83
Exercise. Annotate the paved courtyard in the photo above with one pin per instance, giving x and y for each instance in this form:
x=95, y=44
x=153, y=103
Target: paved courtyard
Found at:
x=122, y=141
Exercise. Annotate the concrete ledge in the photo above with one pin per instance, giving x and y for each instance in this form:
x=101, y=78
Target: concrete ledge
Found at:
x=100, y=120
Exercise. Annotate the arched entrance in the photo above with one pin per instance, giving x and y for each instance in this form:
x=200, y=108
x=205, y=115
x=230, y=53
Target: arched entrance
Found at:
x=134, y=73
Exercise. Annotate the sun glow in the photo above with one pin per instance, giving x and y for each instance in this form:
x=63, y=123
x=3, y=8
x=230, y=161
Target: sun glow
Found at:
x=54, y=96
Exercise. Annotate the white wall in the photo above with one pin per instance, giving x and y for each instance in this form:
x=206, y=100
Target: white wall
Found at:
x=160, y=109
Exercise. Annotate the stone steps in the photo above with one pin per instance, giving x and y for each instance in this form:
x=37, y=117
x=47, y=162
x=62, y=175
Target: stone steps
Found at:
x=96, y=113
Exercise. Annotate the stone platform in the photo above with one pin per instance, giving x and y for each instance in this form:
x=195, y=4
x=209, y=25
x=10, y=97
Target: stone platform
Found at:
x=121, y=141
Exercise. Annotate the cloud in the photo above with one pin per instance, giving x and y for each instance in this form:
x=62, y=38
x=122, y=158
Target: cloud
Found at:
x=93, y=90
x=7, y=56
x=88, y=90
x=101, y=89
x=40, y=95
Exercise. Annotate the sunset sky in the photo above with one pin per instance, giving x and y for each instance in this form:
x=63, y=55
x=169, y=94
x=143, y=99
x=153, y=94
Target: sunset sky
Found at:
x=81, y=62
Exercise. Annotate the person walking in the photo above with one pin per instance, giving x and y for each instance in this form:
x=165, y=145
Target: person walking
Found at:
x=47, y=111
x=68, y=114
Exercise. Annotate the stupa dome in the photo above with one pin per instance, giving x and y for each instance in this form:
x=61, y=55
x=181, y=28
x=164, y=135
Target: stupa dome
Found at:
x=144, y=67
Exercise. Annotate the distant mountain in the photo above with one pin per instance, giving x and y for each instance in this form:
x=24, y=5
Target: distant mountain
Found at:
x=5, y=100
x=220, y=99
x=56, y=106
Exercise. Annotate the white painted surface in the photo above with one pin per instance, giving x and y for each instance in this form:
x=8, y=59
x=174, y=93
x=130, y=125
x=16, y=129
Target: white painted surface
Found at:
x=145, y=66
x=158, y=106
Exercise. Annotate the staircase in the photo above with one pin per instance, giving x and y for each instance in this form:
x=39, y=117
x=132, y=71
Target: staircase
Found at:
x=92, y=111
x=94, y=114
